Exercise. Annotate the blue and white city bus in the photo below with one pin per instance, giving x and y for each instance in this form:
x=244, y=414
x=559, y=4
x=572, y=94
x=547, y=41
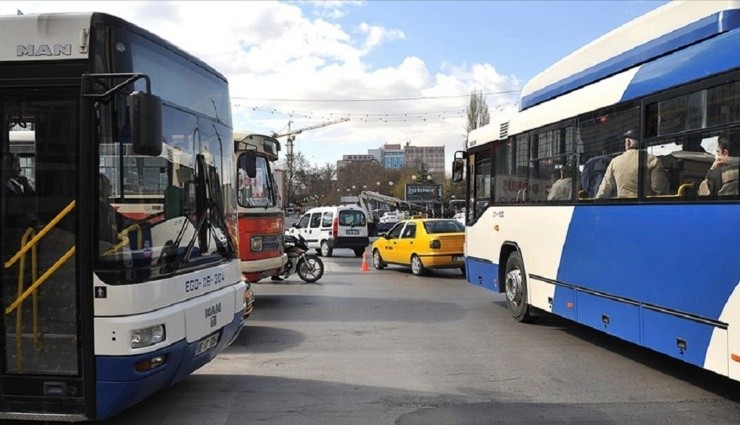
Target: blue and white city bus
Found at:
x=660, y=267
x=120, y=274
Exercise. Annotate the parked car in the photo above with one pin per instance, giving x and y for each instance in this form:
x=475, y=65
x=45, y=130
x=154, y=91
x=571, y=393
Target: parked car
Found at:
x=422, y=244
x=328, y=228
x=391, y=217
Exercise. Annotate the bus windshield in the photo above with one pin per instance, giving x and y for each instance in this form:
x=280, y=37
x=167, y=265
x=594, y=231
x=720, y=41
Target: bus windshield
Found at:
x=164, y=213
x=258, y=191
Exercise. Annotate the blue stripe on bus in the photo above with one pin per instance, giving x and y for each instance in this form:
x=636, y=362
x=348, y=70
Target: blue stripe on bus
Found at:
x=609, y=277
x=482, y=272
x=652, y=254
x=711, y=57
x=120, y=386
x=609, y=245
x=692, y=33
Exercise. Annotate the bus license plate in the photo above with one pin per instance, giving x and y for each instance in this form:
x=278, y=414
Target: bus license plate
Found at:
x=353, y=232
x=458, y=258
x=206, y=344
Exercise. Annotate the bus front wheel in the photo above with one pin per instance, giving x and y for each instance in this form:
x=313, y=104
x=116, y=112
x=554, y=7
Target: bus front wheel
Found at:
x=515, y=285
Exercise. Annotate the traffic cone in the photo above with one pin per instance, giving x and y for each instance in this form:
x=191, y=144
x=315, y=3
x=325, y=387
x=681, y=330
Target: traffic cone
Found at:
x=365, y=267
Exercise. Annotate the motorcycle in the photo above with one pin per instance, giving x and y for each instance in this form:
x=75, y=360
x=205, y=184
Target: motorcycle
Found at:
x=309, y=267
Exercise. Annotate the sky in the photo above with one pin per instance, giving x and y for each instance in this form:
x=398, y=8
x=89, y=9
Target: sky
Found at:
x=400, y=71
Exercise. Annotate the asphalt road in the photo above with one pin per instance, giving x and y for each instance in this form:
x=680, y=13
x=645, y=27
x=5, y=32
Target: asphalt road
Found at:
x=386, y=347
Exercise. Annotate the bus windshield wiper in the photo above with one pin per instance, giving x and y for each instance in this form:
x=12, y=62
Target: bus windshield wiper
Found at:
x=205, y=209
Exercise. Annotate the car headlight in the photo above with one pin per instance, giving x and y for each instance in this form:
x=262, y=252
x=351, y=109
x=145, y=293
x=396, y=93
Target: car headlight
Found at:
x=145, y=337
x=256, y=243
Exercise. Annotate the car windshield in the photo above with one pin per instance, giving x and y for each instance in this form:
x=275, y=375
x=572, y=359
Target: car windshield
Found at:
x=443, y=226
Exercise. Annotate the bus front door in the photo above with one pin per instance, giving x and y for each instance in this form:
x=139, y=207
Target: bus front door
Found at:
x=41, y=364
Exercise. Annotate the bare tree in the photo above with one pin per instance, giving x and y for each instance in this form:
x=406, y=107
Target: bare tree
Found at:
x=320, y=183
x=477, y=111
x=296, y=176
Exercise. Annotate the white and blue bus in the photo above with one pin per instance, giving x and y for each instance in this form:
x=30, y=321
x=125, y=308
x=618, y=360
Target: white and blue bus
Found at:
x=658, y=266
x=120, y=271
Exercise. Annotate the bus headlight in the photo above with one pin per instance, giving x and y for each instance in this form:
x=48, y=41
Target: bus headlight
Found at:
x=256, y=243
x=145, y=337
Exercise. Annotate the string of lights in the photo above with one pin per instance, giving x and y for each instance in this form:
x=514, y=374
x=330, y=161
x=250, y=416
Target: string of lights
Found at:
x=373, y=117
x=390, y=99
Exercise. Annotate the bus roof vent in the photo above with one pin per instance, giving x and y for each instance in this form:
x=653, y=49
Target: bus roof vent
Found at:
x=504, y=130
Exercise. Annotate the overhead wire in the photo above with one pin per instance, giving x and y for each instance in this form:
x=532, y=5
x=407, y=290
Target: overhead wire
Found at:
x=374, y=116
x=390, y=99
x=367, y=117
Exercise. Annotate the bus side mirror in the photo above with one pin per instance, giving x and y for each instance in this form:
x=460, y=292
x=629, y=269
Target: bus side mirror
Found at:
x=458, y=165
x=248, y=163
x=145, y=111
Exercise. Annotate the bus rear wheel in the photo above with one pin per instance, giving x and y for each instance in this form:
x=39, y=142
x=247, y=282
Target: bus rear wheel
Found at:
x=515, y=286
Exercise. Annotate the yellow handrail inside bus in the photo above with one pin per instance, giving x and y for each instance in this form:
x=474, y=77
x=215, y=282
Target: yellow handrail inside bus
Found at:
x=124, y=240
x=683, y=188
x=41, y=234
x=40, y=280
x=25, y=246
x=19, y=316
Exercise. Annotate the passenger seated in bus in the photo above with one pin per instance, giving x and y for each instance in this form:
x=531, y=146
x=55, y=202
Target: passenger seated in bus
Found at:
x=722, y=177
x=562, y=189
x=621, y=174
x=17, y=185
x=20, y=195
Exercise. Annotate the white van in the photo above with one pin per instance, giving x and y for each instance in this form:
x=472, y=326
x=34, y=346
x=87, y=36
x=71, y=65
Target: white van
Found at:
x=328, y=228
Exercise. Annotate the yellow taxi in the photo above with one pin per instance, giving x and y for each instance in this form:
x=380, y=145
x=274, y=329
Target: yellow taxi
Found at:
x=421, y=243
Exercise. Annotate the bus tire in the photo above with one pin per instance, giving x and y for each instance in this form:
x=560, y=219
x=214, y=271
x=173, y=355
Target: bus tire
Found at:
x=326, y=251
x=515, y=287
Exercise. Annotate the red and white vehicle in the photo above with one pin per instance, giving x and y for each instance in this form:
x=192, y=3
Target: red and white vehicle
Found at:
x=260, y=209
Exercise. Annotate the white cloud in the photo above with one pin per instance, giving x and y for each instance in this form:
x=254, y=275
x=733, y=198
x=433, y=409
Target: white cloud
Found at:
x=273, y=50
x=375, y=35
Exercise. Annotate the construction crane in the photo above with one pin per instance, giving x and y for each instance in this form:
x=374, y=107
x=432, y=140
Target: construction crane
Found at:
x=290, y=134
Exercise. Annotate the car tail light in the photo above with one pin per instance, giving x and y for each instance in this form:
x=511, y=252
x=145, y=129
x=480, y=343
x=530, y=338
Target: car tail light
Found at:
x=335, y=227
x=435, y=244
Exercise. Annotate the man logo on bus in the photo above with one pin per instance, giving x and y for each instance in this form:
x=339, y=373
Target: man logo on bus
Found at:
x=44, y=50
